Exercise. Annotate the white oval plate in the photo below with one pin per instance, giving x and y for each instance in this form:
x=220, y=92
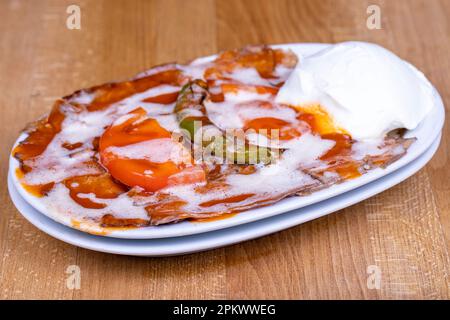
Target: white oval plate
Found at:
x=220, y=238
x=425, y=133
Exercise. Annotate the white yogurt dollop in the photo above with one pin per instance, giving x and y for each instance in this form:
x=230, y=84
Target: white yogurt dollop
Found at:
x=366, y=89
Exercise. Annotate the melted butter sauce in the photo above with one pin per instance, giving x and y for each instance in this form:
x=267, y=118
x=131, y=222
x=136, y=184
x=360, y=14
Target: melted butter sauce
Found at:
x=115, y=92
x=233, y=199
x=166, y=98
x=87, y=191
x=39, y=138
x=321, y=123
x=102, y=186
x=37, y=190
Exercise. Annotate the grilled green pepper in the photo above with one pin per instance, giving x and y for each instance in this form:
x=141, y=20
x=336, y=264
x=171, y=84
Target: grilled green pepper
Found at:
x=191, y=115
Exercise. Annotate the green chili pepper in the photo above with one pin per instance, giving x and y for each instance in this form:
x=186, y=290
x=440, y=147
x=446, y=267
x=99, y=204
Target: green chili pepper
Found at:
x=190, y=108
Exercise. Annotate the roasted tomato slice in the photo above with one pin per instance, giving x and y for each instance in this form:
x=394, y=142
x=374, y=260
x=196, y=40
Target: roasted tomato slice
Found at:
x=137, y=151
x=285, y=130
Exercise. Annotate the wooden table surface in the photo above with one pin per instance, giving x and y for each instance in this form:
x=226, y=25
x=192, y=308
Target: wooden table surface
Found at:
x=403, y=233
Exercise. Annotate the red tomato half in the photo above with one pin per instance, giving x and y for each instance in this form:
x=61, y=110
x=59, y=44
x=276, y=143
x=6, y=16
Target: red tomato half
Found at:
x=142, y=169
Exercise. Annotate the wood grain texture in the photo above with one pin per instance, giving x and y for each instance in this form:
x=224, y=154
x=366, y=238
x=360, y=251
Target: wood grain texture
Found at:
x=404, y=231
